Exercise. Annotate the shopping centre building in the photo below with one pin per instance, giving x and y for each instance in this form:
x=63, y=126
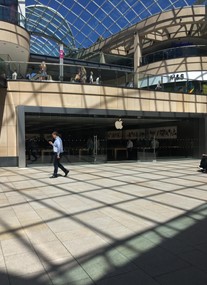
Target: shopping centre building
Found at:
x=102, y=75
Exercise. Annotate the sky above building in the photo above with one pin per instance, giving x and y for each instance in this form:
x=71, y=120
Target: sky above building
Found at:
x=80, y=23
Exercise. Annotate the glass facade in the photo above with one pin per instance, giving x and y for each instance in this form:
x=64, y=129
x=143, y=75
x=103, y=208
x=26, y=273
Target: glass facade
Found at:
x=9, y=11
x=93, y=138
x=171, y=53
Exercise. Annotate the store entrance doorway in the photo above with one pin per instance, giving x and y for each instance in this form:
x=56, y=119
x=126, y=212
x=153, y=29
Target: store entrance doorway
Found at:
x=90, y=138
x=84, y=141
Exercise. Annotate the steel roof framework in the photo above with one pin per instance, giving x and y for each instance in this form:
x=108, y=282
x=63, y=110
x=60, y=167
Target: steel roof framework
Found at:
x=78, y=24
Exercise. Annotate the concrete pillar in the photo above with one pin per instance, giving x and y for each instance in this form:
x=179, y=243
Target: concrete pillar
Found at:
x=21, y=136
x=137, y=58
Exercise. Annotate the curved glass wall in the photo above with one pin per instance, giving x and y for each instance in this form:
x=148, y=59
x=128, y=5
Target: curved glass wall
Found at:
x=9, y=12
x=192, y=82
x=51, y=30
x=172, y=53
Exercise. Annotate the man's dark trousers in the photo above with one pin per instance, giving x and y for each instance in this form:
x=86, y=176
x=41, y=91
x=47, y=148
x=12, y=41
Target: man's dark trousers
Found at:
x=58, y=164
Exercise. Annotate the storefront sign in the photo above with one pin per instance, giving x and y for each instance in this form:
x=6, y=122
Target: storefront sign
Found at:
x=171, y=78
x=114, y=135
x=134, y=134
x=162, y=133
x=176, y=76
x=138, y=134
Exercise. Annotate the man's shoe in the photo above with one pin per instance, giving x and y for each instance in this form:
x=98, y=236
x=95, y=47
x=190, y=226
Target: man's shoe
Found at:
x=66, y=173
x=53, y=176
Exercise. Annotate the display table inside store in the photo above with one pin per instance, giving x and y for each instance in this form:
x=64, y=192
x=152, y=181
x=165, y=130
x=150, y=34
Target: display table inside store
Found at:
x=46, y=152
x=83, y=151
x=145, y=153
x=117, y=149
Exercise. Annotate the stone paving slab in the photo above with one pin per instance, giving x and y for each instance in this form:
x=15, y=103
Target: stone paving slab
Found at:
x=105, y=224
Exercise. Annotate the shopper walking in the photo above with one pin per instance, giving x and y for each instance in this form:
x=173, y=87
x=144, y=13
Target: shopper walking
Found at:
x=58, y=151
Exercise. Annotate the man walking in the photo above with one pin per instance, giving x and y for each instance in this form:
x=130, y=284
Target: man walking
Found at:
x=57, y=150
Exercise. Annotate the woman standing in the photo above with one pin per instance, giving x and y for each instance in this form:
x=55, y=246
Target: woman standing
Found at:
x=43, y=71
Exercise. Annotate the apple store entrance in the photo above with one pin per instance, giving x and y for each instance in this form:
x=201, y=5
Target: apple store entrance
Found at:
x=101, y=138
x=84, y=138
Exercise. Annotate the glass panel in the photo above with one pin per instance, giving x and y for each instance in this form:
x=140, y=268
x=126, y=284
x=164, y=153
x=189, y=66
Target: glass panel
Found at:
x=94, y=139
x=71, y=73
x=9, y=12
x=78, y=24
x=82, y=138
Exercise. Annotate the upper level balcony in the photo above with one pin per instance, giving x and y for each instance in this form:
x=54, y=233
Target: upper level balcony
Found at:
x=191, y=79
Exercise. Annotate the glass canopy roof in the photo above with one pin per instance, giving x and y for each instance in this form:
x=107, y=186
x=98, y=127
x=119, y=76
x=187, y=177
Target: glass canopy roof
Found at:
x=78, y=24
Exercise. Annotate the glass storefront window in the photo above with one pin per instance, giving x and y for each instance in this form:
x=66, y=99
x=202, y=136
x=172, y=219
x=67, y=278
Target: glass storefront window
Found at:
x=176, y=52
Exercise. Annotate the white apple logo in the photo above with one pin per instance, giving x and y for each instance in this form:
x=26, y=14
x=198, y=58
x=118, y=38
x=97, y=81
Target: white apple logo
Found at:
x=118, y=124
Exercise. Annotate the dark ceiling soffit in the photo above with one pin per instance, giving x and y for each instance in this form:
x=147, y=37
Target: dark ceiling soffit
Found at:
x=104, y=112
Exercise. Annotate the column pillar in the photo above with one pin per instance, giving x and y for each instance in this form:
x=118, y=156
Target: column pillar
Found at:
x=137, y=59
x=61, y=57
x=21, y=137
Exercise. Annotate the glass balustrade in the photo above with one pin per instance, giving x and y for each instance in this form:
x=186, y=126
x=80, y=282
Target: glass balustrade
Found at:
x=184, y=82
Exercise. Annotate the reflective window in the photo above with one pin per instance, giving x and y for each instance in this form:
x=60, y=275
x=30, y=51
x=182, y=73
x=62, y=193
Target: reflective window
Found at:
x=8, y=11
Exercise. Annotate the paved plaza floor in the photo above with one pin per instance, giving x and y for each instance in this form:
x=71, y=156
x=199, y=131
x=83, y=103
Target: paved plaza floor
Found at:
x=105, y=224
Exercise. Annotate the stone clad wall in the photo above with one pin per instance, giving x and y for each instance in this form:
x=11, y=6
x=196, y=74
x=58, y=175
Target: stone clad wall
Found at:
x=15, y=42
x=30, y=93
